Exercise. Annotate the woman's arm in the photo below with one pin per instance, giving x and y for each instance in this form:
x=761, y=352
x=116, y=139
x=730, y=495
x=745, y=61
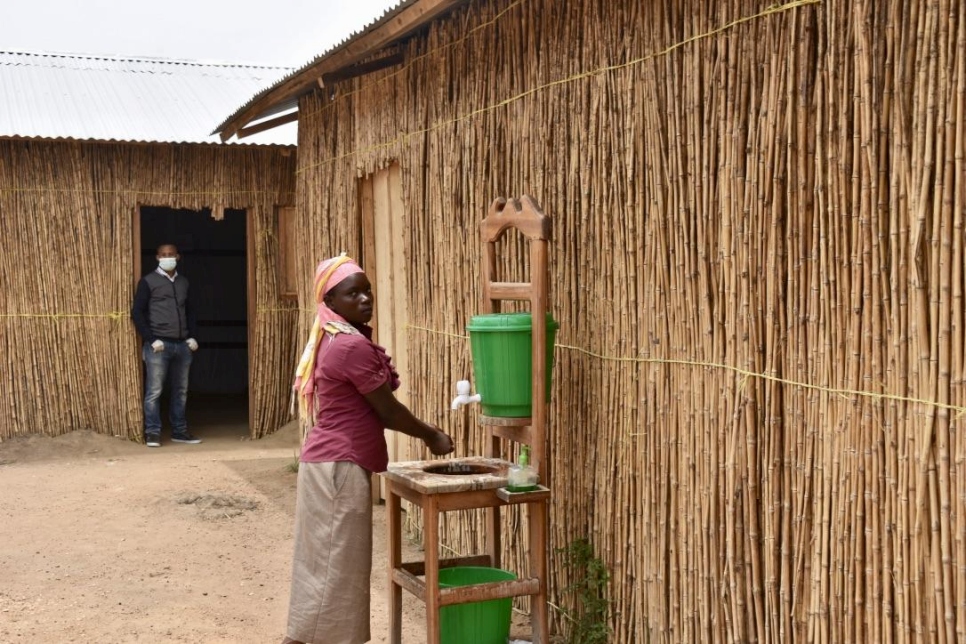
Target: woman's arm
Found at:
x=397, y=416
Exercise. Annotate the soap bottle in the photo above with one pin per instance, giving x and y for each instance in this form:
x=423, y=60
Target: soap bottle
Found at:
x=521, y=476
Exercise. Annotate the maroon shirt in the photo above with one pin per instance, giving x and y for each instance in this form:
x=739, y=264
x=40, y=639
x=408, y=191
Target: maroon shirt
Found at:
x=347, y=427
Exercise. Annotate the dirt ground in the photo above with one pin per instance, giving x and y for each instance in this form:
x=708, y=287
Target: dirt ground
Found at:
x=104, y=540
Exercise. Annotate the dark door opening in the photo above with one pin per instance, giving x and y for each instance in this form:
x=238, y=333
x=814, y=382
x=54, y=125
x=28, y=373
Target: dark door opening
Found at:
x=214, y=259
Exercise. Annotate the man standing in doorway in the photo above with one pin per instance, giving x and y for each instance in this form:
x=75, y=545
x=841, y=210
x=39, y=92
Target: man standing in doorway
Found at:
x=165, y=321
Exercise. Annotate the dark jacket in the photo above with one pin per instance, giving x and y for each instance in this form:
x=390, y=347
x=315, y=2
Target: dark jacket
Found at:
x=162, y=308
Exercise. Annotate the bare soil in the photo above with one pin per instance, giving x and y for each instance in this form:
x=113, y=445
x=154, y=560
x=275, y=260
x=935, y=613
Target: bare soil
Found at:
x=105, y=540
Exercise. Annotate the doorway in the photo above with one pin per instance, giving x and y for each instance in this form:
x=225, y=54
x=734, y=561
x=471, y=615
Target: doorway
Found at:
x=214, y=259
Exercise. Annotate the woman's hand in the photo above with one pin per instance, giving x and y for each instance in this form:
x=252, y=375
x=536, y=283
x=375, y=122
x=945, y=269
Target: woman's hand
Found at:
x=439, y=443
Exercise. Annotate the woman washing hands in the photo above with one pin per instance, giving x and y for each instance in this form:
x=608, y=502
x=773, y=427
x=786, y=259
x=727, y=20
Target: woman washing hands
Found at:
x=344, y=384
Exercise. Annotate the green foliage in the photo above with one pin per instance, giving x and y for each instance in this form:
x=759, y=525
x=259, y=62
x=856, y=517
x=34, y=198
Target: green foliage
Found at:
x=293, y=467
x=591, y=621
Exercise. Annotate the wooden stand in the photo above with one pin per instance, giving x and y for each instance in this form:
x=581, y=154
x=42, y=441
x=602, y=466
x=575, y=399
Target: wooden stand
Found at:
x=525, y=216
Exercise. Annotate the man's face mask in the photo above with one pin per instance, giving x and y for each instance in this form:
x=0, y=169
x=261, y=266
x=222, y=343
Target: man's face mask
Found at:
x=168, y=263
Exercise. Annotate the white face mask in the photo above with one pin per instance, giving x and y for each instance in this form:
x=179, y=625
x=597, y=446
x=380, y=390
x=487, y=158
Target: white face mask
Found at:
x=167, y=263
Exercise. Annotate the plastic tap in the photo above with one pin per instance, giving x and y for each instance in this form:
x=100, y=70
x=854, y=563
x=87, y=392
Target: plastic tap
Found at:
x=463, y=396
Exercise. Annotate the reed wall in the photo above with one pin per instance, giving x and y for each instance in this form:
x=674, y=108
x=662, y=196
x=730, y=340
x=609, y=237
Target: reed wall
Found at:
x=758, y=270
x=71, y=356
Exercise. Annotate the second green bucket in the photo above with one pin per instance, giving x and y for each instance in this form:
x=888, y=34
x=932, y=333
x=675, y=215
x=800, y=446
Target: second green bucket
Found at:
x=486, y=622
x=502, y=361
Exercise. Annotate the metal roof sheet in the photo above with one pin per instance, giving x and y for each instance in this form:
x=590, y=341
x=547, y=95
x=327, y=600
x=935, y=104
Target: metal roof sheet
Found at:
x=104, y=98
x=291, y=101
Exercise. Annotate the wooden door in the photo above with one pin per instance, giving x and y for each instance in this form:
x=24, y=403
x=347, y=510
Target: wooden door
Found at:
x=383, y=259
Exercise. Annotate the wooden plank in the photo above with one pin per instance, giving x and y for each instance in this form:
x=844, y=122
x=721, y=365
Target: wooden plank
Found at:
x=523, y=214
x=431, y=553
x=515, y=434
x=489, y=276
x=268, y=124
x=360, y=69
x=250, y=253
x=418, y=568
x=370, y=264
x=468, y=500
x=136, y=249
x=540, y=494
x=538, y=306
x=539, y=568
x=404, y=579
x=136, y=246
x=367, y=226
x=287, y=265
x=407, y=493
x=509, y=291
x=505, y=421
x=381, y=274
x=494, y=538
x=394, y=524
x=493, y=590
x=400, y=299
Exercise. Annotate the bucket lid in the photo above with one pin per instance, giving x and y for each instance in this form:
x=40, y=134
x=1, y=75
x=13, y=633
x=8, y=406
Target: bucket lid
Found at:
x=490, y=322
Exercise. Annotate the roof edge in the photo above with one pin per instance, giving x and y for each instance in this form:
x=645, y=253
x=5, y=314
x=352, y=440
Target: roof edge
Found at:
x=396, y=24
x=71, y=139
x=141, y=59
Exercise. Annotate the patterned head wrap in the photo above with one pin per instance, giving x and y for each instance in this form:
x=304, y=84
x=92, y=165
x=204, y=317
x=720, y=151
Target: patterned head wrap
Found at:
x=328, y=275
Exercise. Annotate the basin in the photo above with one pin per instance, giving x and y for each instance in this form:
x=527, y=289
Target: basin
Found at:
x=450, y=475
x=458, y=468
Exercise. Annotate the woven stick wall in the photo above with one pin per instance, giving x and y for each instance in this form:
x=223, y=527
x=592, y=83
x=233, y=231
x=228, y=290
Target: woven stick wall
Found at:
x=71, y=355
x=758, y=269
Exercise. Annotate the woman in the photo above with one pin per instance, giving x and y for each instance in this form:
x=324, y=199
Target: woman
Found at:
x=344, y=383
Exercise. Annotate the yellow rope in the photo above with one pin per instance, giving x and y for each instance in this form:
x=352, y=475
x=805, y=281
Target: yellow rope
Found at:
x=435, y=332
x=745, y=373
x=119, y=315
x=284, y=310
x=113, y=315
x=601, y=70
x=149, y=193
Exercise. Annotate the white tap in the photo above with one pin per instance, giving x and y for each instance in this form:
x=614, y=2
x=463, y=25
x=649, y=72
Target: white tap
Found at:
x=463, y=396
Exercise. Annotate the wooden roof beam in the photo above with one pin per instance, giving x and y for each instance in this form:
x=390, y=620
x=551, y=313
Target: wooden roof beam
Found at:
x=360, y=70
x=406, y=20
x=268, y=125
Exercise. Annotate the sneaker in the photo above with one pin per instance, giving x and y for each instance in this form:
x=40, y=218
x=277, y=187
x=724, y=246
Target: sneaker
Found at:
x=152, y=440
x=185, y=438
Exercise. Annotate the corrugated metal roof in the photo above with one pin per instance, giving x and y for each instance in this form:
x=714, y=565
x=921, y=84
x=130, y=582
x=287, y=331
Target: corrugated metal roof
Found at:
x=104, y=98
x=290, y=102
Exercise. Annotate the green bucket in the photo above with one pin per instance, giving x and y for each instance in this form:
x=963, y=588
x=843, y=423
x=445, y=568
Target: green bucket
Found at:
x=502, y=349
x=486, y=622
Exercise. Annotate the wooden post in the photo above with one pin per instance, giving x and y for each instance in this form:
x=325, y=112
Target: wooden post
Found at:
x=539, y=568
x=431, y=558
x=394, y=523
x=525, y=215
x=538, y=304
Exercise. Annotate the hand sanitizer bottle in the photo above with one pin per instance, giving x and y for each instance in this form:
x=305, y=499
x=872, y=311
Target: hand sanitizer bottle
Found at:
x=521, y=476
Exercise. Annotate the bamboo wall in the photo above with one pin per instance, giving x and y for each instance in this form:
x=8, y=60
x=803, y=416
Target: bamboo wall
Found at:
x=71, y=356
x=758, y=270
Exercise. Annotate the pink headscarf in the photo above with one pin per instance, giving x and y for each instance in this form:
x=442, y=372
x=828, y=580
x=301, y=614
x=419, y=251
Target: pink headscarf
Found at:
x=328, y=275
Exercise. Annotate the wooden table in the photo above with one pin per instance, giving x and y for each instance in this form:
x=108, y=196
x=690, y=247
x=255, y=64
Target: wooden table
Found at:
x=437, y=493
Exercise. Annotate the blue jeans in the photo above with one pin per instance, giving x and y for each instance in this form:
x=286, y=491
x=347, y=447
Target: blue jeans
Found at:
x=173, y=362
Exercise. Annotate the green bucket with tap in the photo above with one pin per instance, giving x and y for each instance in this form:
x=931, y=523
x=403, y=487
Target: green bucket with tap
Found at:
x=502, y=348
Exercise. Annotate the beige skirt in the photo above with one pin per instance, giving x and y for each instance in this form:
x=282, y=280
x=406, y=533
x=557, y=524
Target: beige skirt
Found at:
x=329, y=603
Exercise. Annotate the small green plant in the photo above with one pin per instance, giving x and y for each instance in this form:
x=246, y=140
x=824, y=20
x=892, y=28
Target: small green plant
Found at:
x=294, y=465
x=591, y=620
